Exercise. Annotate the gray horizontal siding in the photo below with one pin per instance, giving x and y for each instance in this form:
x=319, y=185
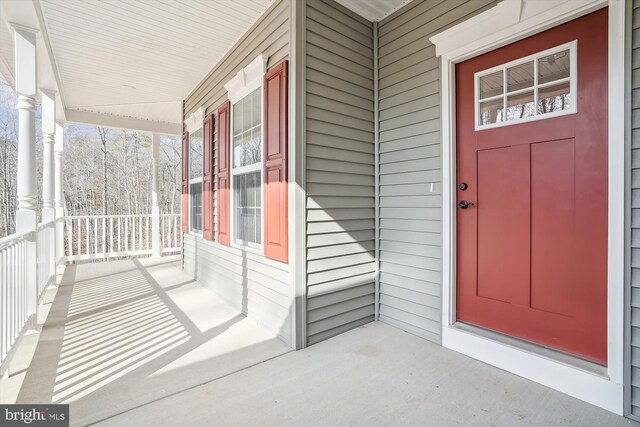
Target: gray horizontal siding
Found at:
x=635, y=211
x=410, y=163
x=339, y=170
x=269, y=35
x=259, y=287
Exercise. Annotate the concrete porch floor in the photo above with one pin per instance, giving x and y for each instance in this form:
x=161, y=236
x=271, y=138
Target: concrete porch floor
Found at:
x=137, y=343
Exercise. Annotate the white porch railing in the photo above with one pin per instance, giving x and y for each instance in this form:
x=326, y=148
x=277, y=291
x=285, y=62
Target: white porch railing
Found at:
x=111, y=236
x=170, y=233
x=14, y=269
x=83, y=238
x=106, y=236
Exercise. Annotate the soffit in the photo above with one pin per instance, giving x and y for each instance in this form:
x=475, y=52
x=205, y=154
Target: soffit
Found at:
x=373, y=10
x=140, y=59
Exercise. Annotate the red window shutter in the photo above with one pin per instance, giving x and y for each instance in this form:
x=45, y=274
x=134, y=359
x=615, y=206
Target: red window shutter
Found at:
x=185, y=182
x=224, y=138
x=207, y=178
x=275, y=163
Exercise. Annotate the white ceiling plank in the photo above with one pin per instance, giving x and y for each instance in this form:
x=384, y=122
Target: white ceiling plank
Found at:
x=127, y=58
x=373, y=10
x=99, y=27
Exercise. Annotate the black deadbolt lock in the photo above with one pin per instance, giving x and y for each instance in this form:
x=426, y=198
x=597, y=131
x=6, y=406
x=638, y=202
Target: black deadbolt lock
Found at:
x=463, y=186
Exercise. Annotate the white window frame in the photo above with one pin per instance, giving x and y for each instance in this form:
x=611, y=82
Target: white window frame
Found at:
x=246, y=81
x=572, y=79
x=195, y=123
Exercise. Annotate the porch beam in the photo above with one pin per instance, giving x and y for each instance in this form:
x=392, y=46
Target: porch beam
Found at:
x=155, y=198
x=26, y=89
x=121, y=122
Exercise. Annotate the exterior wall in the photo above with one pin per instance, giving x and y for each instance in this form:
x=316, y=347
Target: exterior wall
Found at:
x=339, y=170
x=410, y=163
x=635, y=211
x=258, y=286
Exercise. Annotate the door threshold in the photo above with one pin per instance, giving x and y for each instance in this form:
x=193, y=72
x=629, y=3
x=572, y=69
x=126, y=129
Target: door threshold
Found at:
x=536, y=349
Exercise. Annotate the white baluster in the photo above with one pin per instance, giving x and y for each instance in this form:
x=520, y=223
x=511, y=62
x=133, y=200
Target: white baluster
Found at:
x=86, y=237
x=104, y=237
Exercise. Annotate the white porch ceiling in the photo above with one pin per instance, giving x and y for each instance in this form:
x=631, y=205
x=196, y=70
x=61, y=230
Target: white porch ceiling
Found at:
x=140, y=58
x=130, y=63
x=373, y=10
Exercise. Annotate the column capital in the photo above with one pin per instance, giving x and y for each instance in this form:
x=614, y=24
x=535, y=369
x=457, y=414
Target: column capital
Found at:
x=25, y=60
x=59, y=145
x=48, y=111
x=24, y=28
x=51, y=93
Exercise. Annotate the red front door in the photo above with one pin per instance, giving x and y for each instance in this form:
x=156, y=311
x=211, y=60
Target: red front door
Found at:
x=532, y=240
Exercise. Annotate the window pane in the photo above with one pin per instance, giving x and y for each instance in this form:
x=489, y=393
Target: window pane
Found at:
x=195, y=192
x=237, y=118
x=257, y=108
x=554, y=98
x=246, y=113
x=520, y=106
x=520, y=76
x=553, y=67
x=247, y=140
x=248, y=208
x=195, y=154
x=247, y=149
x=491, y=85
x=491, y=112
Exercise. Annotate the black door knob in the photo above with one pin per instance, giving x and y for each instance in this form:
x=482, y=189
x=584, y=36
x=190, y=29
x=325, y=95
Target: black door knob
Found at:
x=464, y=204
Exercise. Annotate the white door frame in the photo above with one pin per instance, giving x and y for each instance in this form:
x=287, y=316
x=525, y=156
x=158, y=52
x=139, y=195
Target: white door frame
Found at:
x=507, y=22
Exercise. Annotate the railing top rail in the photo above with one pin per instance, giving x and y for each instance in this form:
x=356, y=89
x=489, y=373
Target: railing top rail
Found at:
x=14, y=238
x=170, y=214
x=107, y=216
x=44, y=225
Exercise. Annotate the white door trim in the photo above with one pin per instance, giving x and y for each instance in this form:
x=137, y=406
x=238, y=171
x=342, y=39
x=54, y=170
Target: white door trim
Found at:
x=510, y=21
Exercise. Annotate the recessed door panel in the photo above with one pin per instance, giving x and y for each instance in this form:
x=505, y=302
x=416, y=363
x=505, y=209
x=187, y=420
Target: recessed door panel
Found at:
x=553, y=214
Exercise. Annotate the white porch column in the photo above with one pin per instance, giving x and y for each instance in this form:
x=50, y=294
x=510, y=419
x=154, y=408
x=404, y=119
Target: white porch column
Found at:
x=155, y=197
x=48, y=139
x=48, y=211
x=58, y=193
x=26, y=86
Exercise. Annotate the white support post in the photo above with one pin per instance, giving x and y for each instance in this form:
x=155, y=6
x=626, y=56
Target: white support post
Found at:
x=26, y=87
x=155, y=198
x=58, y=193
x=48, y=139
x=48, y=176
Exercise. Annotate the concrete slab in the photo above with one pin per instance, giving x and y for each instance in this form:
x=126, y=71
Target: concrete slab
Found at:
x=124, y=333
x=137, y=342
x=374, y=375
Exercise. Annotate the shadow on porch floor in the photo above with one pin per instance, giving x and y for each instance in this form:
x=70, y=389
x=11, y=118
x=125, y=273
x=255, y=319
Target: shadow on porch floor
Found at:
x=125, y=333
x=137, y=342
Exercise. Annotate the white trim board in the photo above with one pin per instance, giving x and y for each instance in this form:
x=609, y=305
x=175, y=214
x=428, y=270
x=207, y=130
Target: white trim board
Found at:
x=510, y=21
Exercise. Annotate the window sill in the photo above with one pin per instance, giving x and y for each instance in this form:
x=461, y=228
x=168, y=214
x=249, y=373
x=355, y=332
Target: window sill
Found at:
x=248, y=249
